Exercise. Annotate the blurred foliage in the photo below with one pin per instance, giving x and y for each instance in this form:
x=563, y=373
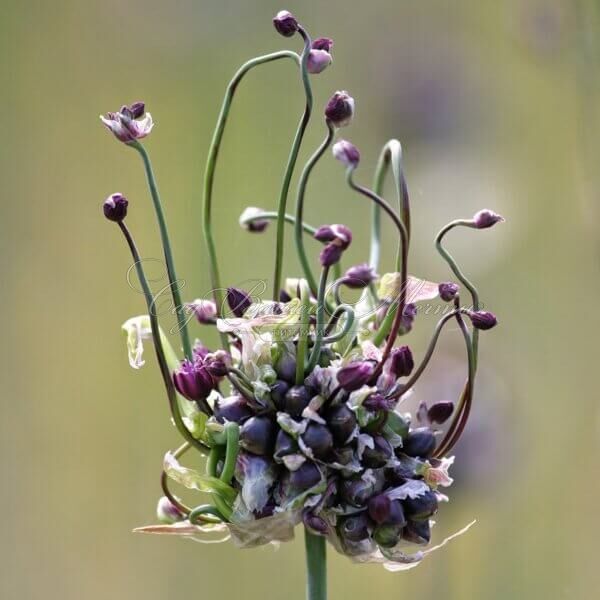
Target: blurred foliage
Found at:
x=496, y=104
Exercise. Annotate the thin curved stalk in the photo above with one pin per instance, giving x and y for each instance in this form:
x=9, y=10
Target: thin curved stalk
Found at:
x=205, y=509
x=209, y=174
x=160, y=355
x=391, y=154
x=312, y=161
x=272, y=216
x=320, y=327
x=291, y=163
x=232, y=435
x=304, y=331
x=350, y=318
x=166, y=244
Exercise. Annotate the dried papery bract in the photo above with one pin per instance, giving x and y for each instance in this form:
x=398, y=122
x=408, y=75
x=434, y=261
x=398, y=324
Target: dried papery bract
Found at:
x=298, y=414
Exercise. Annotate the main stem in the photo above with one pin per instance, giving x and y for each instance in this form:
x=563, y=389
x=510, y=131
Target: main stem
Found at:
x=316, y=566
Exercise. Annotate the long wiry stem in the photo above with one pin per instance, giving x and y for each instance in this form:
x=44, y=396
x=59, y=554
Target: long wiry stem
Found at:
x=391, y=154
x=164, y=235
x=320, y=327
x=160, y=355
x=291, y=163
x=312, y=161
x=209, y=174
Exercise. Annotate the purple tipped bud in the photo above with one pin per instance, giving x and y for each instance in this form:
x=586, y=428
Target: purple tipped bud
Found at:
x=376, y=402
x=218, y=363
x=193, y=381
x=115, y=207
x=239, y=301
x=314, y=523
x=322, y=43
x=340, y=110
x=318, y=61
x=355, y=375
x=319, y=439
x=137, y=110
x=167, y=512
x=347, y=153
x=420, y=442
x=379, y=508
x=330, y=255
x=359, y=276
x=448, y=291
x=486, y=218
x=401, y=361
x=250, y=220
x=337, y=234
x=483, y=319
x=342, y=422
x=257, y=436
x=440, y=412
x=234, y=409
x=285, y=23
x=205, y=311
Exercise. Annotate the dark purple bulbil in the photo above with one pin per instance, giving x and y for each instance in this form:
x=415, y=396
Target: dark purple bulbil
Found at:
x=304, y=478
x=354, y=528
x=420, y=442
x=379, y=508
x=356, y=491
x=238, y=300
x=387, y=536
x=234, y=409
x=314, y=523
x=341, y=421
x=422, y=507
x=417, y=532
x=296, y=400
x=440, y=412
x=285, y=445
x=318, y=438
x=355, y=375
x=257, y=435
x=278, y=392
x=379, y=455
x=401, y=361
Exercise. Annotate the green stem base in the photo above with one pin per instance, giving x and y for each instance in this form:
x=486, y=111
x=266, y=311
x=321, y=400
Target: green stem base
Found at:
x=316, y=566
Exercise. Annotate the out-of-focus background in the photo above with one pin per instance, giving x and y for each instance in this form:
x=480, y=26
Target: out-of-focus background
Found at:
x=496, y=104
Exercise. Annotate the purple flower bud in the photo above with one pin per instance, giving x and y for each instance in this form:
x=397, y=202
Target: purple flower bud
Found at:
x=401, y=361
x=296, y=400
x=376, y=402
x=482, y=319
x=342, y=422
x=192, y=381
x=285, y=23
x=115, y=207
x=257, y=435
x=319, y=439
x=234, y=409
x=330, y=255
x=347, y=153
x=354, y=528
x=137, y=109
x=486, y=218
x=167, y=512
x=337, y=234
x=421, y=507
x=359, y=276
x=318, y=61
x=355, y=375
x=314, y=523
x=340, y=110
x=217, y=363
x=378, y=456
x=440, y=412
x=420, y=442
x=200, y=351
x=205, y=311
x=239, y=301
x=379, y=508
x=448, y=291
x=408, y=318
x=126, y=124
x=417, y=532
x=387, y=536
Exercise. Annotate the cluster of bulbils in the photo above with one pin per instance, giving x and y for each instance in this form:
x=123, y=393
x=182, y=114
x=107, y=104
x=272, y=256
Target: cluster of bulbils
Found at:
x=300, y=413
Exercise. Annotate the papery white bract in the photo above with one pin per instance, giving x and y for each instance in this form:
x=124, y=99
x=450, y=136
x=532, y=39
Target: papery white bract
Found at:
x=137, y=329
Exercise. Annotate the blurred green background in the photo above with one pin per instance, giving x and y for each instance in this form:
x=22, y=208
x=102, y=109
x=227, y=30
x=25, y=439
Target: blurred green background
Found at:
x=496, y=104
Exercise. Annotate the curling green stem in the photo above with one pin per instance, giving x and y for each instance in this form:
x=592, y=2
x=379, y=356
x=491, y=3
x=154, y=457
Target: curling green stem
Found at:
x=209, y=174
x=391, y=154
x=164, y=236
x=205, y=509
x=312, y=161
x=316, y=566
x=160, y=355
x=459, y=274
x=291, y=163
x=348, y=323
x=320, y=327
x=304, y=331
x=232, y=435
x=272, y=215
x=213, y=460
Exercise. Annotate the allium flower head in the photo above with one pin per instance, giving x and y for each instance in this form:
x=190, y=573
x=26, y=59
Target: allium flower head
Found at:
x=115, y=207
x=130, y=123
